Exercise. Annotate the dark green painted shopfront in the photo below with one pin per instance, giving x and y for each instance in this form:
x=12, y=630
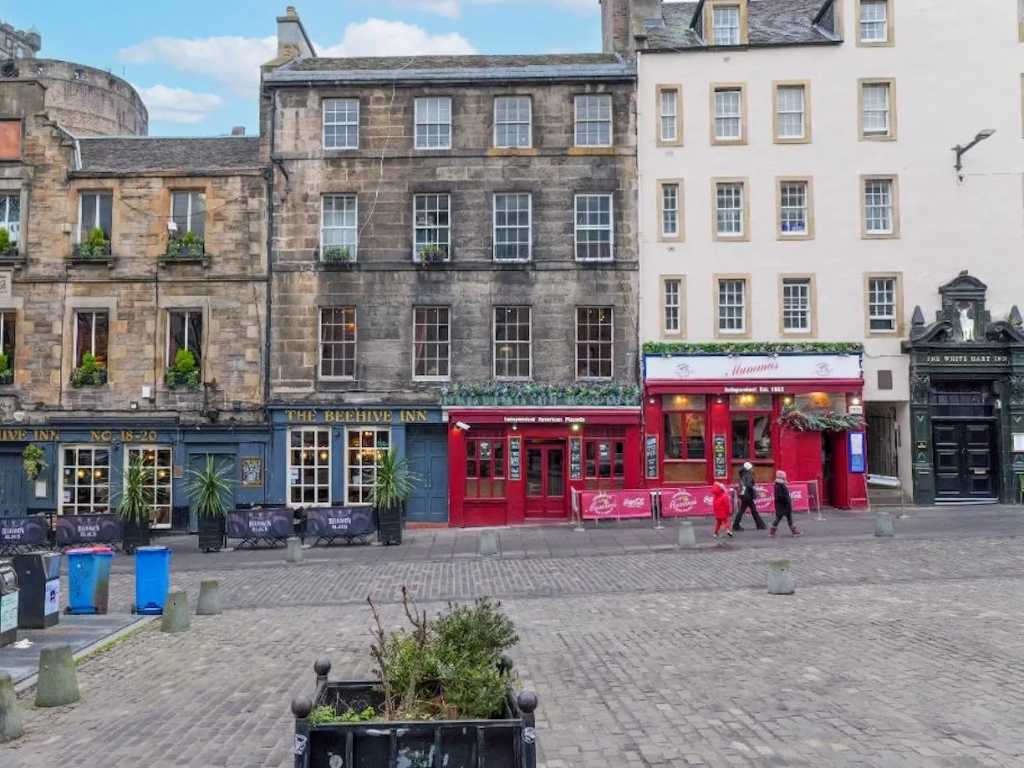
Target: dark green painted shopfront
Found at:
x=966, y=399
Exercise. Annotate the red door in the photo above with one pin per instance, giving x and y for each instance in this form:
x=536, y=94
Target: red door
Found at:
x=545, y=479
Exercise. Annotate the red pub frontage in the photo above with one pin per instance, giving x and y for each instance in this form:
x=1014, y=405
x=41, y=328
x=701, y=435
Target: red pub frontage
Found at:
x=514, y=465
x=705, y=415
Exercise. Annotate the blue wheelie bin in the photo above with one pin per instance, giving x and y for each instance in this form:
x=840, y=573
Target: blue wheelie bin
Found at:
x=89, y=579
x=152, y=579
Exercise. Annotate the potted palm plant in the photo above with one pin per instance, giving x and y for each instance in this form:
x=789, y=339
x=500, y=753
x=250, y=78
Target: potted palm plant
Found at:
x=134, y=507
x=391, y=489
x=209, y=492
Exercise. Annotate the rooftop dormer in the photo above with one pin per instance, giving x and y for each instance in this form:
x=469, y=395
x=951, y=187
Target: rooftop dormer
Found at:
x=721, y=22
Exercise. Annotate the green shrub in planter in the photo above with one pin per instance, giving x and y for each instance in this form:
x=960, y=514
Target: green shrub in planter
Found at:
x=134, y=506
x=89, y=373
x=184, y=372
x=209, y=492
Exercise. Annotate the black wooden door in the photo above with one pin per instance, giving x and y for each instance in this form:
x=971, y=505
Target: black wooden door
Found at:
x=965, y=460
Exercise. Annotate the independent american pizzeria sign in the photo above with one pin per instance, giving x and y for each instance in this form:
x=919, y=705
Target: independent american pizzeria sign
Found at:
x=752, y=368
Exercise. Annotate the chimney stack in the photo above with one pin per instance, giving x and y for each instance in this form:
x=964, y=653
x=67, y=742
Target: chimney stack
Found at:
x=238, y=130
x=292, y=40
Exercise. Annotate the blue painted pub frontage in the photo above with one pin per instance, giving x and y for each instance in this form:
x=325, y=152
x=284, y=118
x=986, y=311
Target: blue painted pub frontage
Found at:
x=327, y=456
x=83, y=464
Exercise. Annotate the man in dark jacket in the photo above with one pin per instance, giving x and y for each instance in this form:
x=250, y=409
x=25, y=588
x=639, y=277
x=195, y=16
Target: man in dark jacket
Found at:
x=748, y=492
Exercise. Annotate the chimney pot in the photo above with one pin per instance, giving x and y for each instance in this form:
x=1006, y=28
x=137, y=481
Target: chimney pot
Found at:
x=238, y=130
x=290, y=11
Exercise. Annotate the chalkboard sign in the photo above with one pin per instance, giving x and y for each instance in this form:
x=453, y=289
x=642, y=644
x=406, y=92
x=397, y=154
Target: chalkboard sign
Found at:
x=651, y=454
x=18, y=533
x=575, y=458
x=515, y=458
x=87, y=529
x=721, y=458
x=330, y=523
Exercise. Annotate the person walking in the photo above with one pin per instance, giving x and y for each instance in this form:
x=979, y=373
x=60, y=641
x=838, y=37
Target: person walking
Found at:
x=783, y=505
x=722, y=509
x=748, y=493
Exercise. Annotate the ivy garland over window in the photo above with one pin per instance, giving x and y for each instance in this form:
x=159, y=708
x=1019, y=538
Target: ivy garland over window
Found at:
x=801, y=421
x=753, y=348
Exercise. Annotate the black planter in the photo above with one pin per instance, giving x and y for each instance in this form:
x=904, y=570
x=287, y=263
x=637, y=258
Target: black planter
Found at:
x=211, y=533
x=389, y=526
x=134, y=534
x=509, y=741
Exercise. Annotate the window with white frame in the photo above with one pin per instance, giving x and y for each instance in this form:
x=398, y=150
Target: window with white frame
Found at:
x=512, y=231
x=339, y=233
x=594, y=228
x=732, y=306
x=341, y=123
x=882, y=304
x=875, y=106
x=188, y=213
x=728, y=114
x=673, y=305
x=337, y=342
x=796, y=305
x=309, y=466
x=729, y=209
x=92, y=335
x=95, y=211
x=670, y=210
x=431, y=342
x=670, y=114
x=434, y=123
x=594, y=120
x=791, y=118
x=874, y=23
x=85, y=480
x=184, y=332
x=793, y=208
x=512, y=122
x=512, y=343
x=156, y=489
x=365, y=450
x=878, y=206
x=726, y=25
x=594, y=342
x=10, y=216
x=432, y=222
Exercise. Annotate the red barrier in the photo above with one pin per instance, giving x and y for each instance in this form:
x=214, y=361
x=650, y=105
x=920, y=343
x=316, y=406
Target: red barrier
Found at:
x=697, y=500
x=799, y=492
x=608, y=505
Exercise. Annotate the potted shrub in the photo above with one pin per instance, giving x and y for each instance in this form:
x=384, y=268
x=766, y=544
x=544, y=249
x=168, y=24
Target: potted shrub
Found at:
x=32, y=461
x=390, y=491
x=337, y=254
x=96, y=247
x=184, y=372
x=6, y=373
x=432, y=253
x=209, y=492
x=444, y=694
x=133, y=508
x=89, y=373
x=8, y=247
x=187, y=246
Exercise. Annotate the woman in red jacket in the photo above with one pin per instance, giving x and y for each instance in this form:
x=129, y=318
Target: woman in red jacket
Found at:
x=722, y=508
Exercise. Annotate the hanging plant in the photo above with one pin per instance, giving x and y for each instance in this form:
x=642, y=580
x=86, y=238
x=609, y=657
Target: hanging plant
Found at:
x=754, y=348
x=33, y=461
x=823, y=421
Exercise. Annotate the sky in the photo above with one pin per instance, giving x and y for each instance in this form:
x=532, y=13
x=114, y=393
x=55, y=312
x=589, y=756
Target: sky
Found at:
x=196, y=62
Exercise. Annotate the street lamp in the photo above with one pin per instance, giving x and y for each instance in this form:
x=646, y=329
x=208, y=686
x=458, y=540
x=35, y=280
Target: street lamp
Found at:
x=961, y=151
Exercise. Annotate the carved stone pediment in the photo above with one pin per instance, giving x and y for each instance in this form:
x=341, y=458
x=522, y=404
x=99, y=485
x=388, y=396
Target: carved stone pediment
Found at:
x=964, y=318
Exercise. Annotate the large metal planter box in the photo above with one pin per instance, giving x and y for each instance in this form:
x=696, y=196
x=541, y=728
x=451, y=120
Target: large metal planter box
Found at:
x=506, y=742
x=212, y=531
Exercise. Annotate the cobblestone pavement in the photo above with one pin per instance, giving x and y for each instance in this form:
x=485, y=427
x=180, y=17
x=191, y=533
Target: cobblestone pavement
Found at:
x=892, y=653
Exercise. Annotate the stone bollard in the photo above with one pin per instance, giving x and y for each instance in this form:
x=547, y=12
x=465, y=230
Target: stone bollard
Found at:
x=294, y=553
x=487, y=543
x=11, y=727
x=883, y=525
x=209, y=598
x=58, y=680
x=686, y=537
x=780, y=578
x=176, y=618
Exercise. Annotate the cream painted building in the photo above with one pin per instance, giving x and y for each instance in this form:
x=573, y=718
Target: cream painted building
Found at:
x=797, y=184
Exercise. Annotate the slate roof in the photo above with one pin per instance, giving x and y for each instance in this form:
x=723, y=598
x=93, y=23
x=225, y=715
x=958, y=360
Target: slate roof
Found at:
x=188, y=155
x=770, y=22
x=448, y=62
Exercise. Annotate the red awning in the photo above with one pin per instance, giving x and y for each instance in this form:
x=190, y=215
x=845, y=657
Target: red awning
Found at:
x=777, y=387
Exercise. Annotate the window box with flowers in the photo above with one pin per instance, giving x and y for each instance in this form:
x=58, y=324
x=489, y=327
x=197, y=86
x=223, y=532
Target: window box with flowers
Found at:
x=337, y=257
x=433, y=254
x=95, y=250
x=184, y=374
x=187, y=249
x=89, y=373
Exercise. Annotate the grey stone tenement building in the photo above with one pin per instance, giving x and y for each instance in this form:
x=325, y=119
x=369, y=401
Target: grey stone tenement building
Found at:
x=451, y=233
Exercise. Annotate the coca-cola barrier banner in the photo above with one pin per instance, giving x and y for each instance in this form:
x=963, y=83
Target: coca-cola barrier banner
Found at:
x=607, y=505
x=697, y=500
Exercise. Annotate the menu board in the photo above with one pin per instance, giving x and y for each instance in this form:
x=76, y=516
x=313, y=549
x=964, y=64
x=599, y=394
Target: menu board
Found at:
x=651, y=456
x=575, y=458
x=721, y=458
x=515, y=458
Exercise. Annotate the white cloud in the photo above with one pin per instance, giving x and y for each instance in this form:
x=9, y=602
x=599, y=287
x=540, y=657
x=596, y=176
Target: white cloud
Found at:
x=178, y=105
x=453, y=8
x=234, y=62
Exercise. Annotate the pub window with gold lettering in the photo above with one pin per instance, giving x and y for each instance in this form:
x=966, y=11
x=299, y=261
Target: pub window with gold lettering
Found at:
x=157, y=462
x=85, y=480
x=365, y=449
x=309, y=466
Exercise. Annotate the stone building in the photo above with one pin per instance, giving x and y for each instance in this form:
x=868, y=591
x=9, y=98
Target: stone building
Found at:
x=459, y=219
x=117, y=254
